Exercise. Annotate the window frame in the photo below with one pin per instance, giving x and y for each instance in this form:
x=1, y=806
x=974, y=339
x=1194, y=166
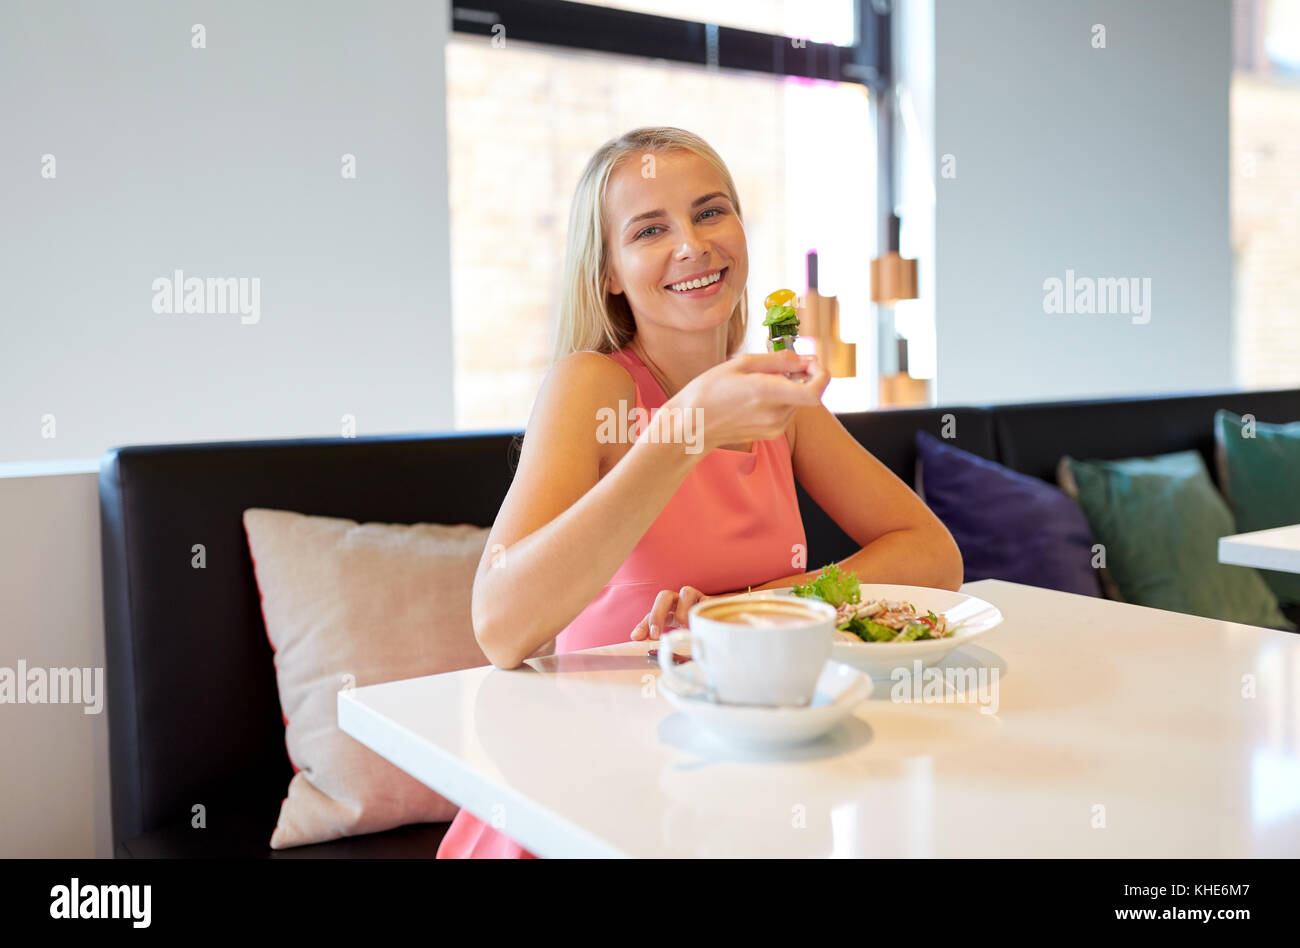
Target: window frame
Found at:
x=585, y=26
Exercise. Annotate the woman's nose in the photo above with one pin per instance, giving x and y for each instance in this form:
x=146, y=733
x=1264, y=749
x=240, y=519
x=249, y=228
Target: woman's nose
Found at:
x=691, y=245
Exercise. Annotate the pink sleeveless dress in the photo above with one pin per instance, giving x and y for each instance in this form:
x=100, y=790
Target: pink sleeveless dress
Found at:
x=734, y=522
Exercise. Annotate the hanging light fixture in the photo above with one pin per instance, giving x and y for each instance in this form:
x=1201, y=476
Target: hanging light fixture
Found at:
x=819, y=318
x=893, y=277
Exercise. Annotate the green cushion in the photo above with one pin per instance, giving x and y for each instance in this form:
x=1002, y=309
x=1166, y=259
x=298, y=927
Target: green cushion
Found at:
x=1259, y=469
x=1160, y=520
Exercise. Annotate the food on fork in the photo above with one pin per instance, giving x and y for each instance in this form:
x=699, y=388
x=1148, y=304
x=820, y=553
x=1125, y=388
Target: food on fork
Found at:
x=782, y=320
x=877, y=620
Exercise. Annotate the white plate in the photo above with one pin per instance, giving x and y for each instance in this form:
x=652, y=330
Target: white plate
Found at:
x=879, y=659
x=839, y=690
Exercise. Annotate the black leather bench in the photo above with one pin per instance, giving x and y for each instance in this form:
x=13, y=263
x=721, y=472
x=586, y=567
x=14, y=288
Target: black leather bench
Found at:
x=194, y=715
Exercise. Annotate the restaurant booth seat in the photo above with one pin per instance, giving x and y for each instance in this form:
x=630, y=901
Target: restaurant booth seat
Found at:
x=194, y=715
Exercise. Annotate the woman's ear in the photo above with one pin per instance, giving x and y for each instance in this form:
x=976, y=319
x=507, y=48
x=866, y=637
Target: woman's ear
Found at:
x=612, y=286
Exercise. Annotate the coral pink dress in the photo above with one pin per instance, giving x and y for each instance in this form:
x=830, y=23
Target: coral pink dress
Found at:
x=734, y=522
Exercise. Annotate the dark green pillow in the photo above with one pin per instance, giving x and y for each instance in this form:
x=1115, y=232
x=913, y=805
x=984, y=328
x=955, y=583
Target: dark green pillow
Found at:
x=1259, y=471
x=1160, y=520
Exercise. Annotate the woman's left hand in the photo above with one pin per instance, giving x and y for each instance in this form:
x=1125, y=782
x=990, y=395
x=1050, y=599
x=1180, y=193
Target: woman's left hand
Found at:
x=669, y=612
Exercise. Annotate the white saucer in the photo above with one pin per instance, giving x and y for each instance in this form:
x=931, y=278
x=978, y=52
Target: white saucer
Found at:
x=839, y=690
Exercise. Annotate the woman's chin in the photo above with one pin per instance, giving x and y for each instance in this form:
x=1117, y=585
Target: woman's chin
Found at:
x=706, y=319
x=701, y=315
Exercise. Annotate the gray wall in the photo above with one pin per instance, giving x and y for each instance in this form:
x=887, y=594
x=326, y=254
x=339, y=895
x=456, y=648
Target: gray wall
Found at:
x=222, y=162
x=1110, y=162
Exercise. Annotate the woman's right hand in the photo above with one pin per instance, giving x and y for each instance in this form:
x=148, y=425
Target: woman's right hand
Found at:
x=671, y=610
x=748, y=398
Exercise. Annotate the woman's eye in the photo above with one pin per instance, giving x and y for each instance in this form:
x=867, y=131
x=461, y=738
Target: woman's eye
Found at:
x=711, y=211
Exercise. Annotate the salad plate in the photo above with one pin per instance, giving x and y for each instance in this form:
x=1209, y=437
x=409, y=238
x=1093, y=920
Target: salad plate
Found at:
x=966, y=618
x=840, y=689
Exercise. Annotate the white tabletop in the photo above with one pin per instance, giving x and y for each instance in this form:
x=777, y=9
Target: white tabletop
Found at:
x=1120, y=731
x=1278, y=548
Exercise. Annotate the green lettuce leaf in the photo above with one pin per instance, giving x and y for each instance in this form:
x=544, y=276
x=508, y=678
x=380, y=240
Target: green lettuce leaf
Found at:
x=875, y=632
x=781, y=314
x=832, y=585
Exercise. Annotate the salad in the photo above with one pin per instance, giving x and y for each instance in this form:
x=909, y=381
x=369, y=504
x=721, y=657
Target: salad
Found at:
x=877, y=620
x=782, y=319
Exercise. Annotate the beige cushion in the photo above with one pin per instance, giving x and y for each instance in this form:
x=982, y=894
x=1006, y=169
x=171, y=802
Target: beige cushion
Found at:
x=357, y=604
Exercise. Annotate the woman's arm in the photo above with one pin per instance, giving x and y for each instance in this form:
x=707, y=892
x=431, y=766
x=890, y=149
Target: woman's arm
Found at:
x=563, y=531
x=902, y=541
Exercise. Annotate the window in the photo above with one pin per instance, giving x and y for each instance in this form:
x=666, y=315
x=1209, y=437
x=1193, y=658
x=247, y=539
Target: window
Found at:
x=1265, y=192
x=826, y=21
x=523, y=119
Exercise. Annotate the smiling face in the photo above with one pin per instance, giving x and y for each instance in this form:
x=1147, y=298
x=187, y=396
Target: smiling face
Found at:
x=665, y=232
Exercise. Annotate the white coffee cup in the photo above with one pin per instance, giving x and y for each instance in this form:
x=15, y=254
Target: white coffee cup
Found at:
x=755, y=648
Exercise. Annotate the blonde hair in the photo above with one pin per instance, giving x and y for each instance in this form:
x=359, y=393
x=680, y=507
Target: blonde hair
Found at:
x=589, y=317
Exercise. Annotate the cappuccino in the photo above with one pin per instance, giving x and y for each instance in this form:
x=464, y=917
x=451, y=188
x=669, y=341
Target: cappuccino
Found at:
x=766, y=650
x=761, y=613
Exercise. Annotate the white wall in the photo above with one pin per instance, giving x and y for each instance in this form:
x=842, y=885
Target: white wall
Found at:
x=222, y=162
x=1111, y=162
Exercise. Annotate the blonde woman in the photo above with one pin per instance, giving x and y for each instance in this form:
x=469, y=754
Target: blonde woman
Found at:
x=613, y=529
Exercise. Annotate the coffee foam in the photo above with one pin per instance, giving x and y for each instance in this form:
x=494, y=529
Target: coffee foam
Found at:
x=763, y=613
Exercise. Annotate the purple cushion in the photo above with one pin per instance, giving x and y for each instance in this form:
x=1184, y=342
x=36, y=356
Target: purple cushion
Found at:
x=1008, y=525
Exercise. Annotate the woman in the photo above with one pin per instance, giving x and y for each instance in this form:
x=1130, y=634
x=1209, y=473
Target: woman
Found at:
x=608, y=537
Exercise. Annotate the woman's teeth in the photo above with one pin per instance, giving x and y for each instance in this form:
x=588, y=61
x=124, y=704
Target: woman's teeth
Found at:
x=696, y=284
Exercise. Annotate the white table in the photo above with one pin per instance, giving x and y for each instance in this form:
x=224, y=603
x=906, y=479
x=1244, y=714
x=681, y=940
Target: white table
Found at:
x=1278, y=548
x=1134, y=710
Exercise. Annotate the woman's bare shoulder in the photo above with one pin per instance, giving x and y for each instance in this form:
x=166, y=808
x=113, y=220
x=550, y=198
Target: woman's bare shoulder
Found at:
x=591, y=377
x=576, y=390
